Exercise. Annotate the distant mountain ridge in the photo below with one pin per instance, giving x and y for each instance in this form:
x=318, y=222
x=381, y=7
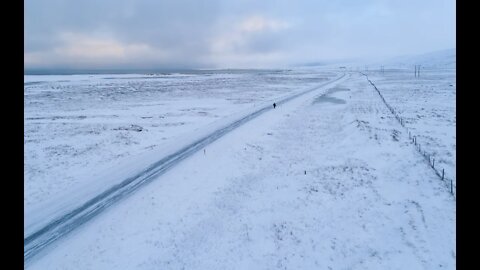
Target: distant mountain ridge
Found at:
x=437, y=59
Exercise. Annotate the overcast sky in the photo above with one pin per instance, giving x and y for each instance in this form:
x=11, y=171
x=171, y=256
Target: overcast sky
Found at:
x=98, y=34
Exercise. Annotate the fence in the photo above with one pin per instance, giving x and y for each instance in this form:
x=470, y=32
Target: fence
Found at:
x=413, y=140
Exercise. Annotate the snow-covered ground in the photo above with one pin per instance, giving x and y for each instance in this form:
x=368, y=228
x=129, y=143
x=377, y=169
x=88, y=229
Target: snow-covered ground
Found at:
x=85, y=133
x=328, y=180
x=428, y=106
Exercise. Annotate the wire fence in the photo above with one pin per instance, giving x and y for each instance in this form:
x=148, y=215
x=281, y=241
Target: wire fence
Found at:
x=413, y=140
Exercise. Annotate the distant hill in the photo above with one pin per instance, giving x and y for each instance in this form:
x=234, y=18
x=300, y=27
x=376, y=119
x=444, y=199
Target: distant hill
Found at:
x=438, y=59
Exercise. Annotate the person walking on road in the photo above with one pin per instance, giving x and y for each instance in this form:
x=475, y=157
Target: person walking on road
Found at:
x=274, y=105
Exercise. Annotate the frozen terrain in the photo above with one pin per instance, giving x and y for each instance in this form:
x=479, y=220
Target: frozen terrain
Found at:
x=85, y=133
x=328, y=180
x=428, y=106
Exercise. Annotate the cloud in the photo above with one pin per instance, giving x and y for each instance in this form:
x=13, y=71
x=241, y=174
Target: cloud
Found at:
x=226, y=33
x=258, y=23
x=79, y=46
x=252, y=39
x=78, y=50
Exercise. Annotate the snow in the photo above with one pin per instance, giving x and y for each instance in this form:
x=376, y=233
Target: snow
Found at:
x=328, y=180
x=85, y=134
x=428, y=105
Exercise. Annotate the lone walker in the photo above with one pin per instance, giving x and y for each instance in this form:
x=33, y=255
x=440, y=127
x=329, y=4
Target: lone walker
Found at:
x=274, y=105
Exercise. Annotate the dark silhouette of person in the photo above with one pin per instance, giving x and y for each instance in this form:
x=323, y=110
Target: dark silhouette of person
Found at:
x=274, y=105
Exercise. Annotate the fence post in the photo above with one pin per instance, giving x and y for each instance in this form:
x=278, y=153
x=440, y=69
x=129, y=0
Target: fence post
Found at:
x=443, y=173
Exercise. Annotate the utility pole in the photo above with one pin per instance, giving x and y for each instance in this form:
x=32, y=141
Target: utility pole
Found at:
x=417, y=70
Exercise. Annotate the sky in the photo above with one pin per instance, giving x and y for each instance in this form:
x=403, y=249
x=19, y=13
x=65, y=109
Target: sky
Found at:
x=166, y=34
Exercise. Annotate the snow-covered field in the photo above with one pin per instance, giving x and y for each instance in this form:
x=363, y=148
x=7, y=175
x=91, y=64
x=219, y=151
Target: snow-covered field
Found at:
x=428, y=106
x=328, y=180
x=85, y=133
